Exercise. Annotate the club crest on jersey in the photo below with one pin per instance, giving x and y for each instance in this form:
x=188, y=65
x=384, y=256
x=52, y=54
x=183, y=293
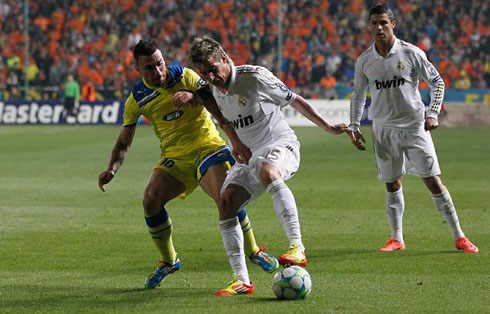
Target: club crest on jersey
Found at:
x=173, y=116
x=400, y=66
x=242, y=101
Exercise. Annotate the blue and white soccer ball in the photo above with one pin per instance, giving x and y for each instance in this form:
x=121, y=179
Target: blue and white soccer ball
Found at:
x=293, y=282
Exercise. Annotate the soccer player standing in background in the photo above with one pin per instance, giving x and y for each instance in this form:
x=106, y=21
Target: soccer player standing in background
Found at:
x=71, y=94
x=401, y=139
x=251, y=98
x=192, y=152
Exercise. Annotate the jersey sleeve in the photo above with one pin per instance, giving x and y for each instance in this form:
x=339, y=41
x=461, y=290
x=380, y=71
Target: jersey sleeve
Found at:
x=358, y=97
x=131, y=112
x=193, y=82
x=428, y=73
x=274, y=89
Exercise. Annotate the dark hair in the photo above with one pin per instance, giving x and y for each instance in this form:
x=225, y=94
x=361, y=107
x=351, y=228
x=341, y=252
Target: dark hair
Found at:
x=382, y=9
x=204, y=47
x=145, y=47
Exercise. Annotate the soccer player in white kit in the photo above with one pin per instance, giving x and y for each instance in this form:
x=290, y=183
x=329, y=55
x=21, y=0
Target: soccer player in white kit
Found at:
x=250, y=98
x=402, y=142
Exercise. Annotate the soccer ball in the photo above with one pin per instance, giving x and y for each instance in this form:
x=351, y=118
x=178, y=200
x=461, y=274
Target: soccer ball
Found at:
x=292, y=283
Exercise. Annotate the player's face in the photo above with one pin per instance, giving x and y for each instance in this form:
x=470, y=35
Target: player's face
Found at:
x=152, y=68
x=215, y=70
x=382, y=27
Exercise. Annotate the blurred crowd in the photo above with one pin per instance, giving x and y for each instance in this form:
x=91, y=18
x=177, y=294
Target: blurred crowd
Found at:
x=321, y=40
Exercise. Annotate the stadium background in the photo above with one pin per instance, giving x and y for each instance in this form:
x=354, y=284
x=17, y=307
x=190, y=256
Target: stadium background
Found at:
x=320, y=41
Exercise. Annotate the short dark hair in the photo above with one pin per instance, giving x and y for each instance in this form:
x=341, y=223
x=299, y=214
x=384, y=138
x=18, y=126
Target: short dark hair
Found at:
x=204, y=47
x=145, y=47
x=382, y=9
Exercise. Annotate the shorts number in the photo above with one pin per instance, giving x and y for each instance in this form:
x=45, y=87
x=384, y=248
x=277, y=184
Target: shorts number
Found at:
x=169, y=163
x=274, y=155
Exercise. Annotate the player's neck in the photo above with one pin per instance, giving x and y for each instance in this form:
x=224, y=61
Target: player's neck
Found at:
x=384, y=46
x=224, y=89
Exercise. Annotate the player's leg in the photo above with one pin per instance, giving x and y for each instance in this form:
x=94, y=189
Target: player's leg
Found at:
x=211, y=182
x=274, y=165
x=390, y=165
x=287, y=211
x=423, y=162
x=161, y=188
x=395, y=206
x=444, y=204
x=232, y=199
x=213, y=171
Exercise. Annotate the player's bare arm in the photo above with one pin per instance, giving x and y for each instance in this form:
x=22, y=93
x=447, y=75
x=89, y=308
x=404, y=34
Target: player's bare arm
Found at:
x=307, y=110
x=118, y=154
x=240, y=152
x=182, y=97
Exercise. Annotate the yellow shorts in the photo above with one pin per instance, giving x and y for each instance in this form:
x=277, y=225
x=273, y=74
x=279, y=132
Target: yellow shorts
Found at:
x=190, y=170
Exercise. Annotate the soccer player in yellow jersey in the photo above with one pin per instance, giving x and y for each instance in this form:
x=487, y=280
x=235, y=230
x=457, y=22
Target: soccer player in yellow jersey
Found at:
x=192, y=152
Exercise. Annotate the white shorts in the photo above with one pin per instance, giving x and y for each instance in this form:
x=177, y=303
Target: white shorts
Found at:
x=284, y=155
x=404, y=151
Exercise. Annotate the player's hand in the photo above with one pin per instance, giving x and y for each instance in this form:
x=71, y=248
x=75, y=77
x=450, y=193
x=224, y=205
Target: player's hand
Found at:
x=104, y=178
x=181, y=97
x=359, y=141
x=241, y=153
x=431, y=124
x=342, y=128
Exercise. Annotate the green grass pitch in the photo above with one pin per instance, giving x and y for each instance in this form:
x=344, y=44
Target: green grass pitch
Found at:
x=66, y=247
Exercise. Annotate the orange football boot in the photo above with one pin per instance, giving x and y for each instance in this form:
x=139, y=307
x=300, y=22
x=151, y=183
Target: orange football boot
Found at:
x=465, y=245
x=392, y=245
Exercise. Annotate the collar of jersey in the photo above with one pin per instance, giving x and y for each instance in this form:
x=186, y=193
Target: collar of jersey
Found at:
x=393, y=49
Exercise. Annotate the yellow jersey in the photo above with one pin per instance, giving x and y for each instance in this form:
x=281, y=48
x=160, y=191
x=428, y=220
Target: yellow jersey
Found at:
x=182, y=130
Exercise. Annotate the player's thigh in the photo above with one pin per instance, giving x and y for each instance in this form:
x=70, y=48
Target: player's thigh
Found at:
x=388, y=153
x=241, y=175
x=161, y=188
x=213, y=179
x=283, y=156
x=212, y=170
x=181, y=168
x=421, y=155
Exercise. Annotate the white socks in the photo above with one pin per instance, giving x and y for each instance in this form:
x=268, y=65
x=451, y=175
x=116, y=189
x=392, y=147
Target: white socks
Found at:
x=232, y=235
x=286, y=210
x=395, y=205
x=444, y=204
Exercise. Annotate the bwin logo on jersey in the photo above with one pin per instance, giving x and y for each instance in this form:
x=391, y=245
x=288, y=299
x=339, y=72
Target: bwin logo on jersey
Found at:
x=242, y=121
x=395, y=82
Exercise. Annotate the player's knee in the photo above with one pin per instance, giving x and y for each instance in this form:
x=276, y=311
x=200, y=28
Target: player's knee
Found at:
x=434, y=184
x=394, y=186
x=151, y=202
x=227, y=207
x=269, y=173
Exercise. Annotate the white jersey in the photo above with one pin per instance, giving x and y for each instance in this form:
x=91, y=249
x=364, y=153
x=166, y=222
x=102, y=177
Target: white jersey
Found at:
x=253, y=106
x=393, y=81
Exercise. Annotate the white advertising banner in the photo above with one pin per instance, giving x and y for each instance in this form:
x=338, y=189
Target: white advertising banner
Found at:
x=334, y=111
